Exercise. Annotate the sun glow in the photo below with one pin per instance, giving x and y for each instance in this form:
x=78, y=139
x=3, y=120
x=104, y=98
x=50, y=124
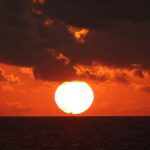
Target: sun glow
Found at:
x=74, y=97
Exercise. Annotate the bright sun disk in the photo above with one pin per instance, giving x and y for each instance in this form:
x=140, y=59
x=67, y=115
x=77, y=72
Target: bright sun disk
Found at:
x=74, y=97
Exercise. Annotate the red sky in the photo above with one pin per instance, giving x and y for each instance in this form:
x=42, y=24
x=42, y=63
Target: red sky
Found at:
x=23, y=95
x=47, y=42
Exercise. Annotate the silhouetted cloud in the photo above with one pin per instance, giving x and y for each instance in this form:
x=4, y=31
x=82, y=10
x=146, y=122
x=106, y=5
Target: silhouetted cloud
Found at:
x=122, y=78
x=139, y=73
x=54, y=36
x=92, y=13
x=146, y=88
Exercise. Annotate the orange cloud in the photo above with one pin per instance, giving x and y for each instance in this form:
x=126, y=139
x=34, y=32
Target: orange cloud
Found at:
x=27, y=71
x=63, y=58
x=96, y=71
x=59, y=56
x=78, y=33
x=48, y=22
x=35, y=11
x=10, y=78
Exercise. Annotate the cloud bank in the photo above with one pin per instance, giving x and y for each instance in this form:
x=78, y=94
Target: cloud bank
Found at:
x=53, y=37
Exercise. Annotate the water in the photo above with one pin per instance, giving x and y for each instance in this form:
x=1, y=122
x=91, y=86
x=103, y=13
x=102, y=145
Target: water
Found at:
x=75, y=133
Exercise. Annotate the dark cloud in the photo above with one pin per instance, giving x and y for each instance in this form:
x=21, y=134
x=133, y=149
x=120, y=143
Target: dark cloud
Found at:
x=122, y=78
x=2, y=75
x=25, y=40
x=146, y=88
x=55, y=71
x=119, y=35
x=120, y=31
x=139, y=73
x=92, y=13
x=100, y=77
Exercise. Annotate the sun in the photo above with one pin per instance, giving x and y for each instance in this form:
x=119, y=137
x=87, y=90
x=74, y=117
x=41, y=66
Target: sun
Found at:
x=74, y=97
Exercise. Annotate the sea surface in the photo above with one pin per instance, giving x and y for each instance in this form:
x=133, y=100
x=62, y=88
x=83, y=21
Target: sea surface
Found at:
x=75, y=133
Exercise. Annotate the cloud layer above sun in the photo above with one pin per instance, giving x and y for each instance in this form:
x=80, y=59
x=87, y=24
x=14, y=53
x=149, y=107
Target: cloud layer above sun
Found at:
x=56, y=38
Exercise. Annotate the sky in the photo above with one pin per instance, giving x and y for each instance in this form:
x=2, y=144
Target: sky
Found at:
x=47, y=42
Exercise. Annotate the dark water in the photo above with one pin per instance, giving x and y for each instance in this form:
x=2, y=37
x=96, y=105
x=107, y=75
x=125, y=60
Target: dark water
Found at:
x=75, y=133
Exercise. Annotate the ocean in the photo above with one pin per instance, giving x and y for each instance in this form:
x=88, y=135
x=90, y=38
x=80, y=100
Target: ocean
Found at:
x=74, y=133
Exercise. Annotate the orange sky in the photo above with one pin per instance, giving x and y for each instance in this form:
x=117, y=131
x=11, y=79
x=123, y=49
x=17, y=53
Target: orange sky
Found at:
x=71, y=41
x=23, y=95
